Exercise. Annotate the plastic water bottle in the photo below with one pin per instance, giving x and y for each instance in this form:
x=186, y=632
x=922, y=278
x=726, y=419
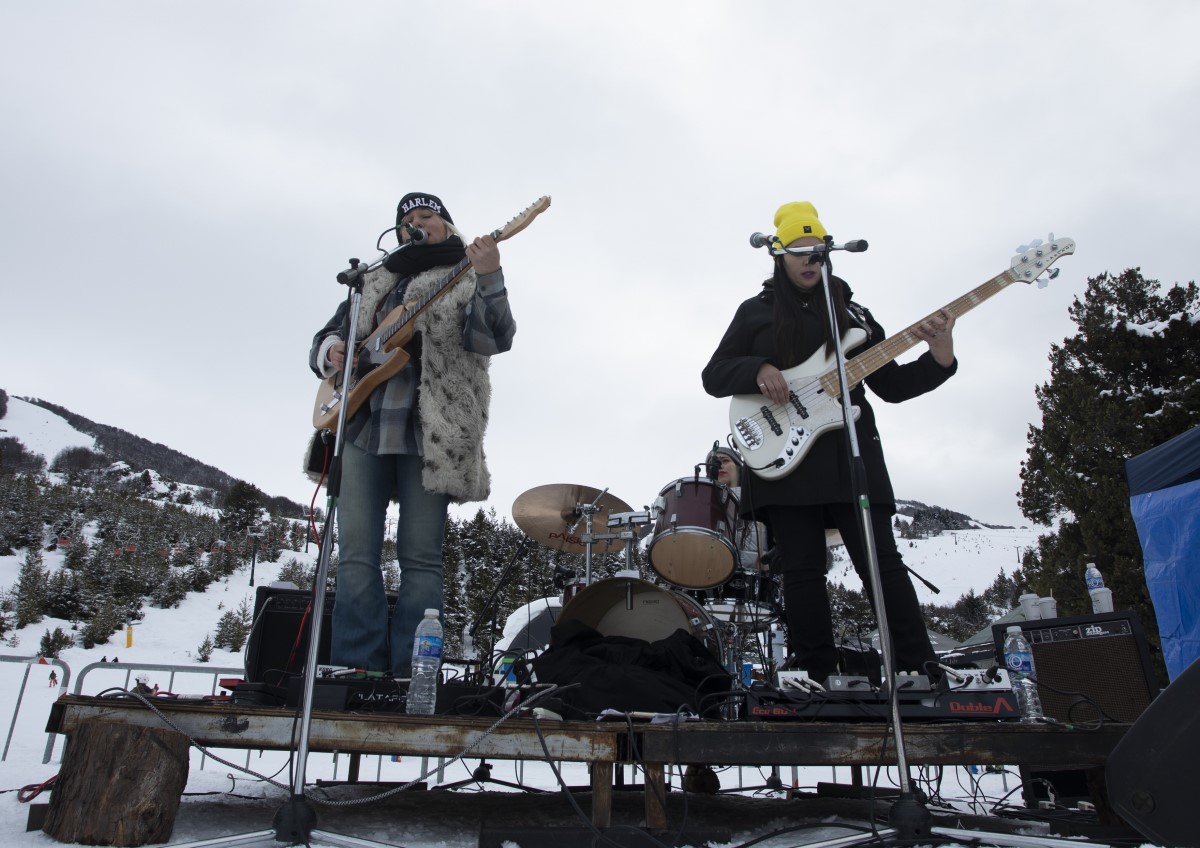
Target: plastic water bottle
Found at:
x=426, y=665
x=1018, y=657
x=1095, y=580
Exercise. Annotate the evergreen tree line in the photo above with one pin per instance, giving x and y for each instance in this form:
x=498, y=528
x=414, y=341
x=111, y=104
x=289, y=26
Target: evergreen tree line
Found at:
x=151, y=548
x=141, y=454
x=142, y=548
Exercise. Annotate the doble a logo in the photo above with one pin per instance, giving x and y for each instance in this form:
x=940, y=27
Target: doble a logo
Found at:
x=1000, y=706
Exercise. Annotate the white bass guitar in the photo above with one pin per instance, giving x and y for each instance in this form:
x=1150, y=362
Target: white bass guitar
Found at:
x=774, y=438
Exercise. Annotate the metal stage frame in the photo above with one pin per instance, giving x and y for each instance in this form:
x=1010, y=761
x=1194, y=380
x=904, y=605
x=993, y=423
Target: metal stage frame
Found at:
x=605, y=745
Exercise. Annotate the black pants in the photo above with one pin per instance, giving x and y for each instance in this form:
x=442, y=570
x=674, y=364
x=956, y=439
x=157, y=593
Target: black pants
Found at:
x=799, y=533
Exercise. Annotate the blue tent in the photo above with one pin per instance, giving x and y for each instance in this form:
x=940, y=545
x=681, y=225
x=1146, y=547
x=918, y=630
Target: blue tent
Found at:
x=1164, y=489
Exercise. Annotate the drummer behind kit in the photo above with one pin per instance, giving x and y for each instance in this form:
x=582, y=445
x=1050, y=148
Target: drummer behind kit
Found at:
x=698, y=583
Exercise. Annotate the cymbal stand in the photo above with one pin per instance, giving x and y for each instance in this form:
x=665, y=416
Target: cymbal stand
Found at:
x=587, y=511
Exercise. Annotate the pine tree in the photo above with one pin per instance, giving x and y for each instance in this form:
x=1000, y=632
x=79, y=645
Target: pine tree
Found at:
x=1126, y=382
x=31, y=589
x=53, y=643
x=104, y=621
x=64, y=595
x=243, y=507
x=851, y=611
x=292, y=571
x=234, y=627
x=20, y=513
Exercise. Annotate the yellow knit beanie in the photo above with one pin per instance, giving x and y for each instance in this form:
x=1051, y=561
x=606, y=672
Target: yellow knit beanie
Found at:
x=794, y=220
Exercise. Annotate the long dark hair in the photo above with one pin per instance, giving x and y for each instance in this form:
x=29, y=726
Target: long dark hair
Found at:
x=790, y=305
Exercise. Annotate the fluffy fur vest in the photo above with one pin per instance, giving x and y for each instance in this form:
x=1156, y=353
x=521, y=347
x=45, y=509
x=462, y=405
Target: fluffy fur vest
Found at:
x=455, y=390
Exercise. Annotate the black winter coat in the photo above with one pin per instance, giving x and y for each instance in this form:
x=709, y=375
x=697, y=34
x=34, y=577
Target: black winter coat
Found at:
x=823, y=476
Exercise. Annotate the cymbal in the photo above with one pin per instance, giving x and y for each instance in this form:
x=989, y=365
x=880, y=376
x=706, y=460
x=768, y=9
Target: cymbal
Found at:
x=551, y=514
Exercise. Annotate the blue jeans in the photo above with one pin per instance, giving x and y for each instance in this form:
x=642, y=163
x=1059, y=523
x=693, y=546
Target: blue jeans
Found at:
x=361, y=637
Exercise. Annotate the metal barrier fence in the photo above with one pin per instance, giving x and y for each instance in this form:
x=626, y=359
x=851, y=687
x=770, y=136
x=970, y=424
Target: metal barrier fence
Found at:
x=129, y=672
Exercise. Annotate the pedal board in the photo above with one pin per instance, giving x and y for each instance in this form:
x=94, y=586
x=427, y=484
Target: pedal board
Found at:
x=765, y=702
x=378, y=695
x=389, y=695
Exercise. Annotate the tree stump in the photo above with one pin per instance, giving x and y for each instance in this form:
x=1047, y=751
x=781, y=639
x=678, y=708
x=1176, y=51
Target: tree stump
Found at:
x=120, y=784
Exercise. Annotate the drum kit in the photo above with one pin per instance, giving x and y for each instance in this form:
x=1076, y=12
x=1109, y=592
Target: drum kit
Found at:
x=698, y=582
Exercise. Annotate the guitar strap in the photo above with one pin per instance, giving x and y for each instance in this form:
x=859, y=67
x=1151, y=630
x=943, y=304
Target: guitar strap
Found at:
x=859, y=314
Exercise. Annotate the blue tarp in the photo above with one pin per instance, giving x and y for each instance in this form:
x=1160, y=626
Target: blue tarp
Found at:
x=1165, y=486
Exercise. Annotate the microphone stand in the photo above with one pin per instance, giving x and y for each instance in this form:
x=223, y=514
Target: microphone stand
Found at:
x=909, y=815
x=501, y=582
x=295, y=820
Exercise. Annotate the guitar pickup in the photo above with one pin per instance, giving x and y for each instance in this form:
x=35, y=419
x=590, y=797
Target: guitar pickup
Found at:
x=799, y=407
x=770, y=419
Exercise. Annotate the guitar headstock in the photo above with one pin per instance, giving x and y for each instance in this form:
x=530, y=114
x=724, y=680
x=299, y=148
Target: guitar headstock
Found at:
x=1033, y=260
x=523, y=219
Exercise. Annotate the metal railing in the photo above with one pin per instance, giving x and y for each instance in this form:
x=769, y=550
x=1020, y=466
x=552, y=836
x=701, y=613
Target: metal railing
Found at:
x=129, y=670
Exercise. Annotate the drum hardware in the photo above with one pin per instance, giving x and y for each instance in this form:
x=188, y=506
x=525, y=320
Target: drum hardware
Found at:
x=551, y=515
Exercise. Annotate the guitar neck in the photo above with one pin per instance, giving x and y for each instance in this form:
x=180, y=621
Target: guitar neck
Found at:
x=871, y=360
x=433, y=294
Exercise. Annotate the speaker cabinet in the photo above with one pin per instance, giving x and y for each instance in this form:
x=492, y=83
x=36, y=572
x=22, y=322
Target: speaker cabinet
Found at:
x=1148, y=772
x=1089, y=668
x=278, y=643
x=277, y=647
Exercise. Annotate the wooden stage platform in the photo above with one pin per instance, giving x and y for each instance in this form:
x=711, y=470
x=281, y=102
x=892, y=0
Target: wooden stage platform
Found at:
x=604, y=745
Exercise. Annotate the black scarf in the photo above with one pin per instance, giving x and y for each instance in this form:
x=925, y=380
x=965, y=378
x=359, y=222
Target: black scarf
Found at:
x=422, y=257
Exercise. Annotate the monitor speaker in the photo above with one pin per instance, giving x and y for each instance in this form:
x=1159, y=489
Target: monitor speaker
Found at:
x=1146, y=772
x=1089, y=668
x=277, y=647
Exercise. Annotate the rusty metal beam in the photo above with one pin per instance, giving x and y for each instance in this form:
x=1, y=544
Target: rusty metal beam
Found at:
x=862, y=743
x=271, y=728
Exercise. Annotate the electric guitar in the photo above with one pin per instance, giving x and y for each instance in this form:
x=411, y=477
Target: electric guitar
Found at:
x=775, y=438
x=381, y=354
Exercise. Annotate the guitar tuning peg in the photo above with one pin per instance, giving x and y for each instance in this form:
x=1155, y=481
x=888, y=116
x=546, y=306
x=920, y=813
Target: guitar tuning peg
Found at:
x=1036, y=243
x=1045, y=277
x=1021, y=248
x=1050, y=238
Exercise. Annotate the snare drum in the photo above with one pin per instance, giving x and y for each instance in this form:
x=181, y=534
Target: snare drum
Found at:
x=572, y=589
x=749, y=599
x=693, y=543
x=625, y=606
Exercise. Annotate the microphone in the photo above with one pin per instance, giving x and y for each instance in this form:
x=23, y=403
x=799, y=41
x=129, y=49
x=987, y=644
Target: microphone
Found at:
x=415, y=234
x=713, y=465
x=761, y=240
x=855, y=246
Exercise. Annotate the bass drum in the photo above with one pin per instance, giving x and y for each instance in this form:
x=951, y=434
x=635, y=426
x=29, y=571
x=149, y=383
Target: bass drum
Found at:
x=624, y=606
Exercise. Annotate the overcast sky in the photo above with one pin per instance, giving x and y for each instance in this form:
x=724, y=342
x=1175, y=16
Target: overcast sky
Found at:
x=181, y=182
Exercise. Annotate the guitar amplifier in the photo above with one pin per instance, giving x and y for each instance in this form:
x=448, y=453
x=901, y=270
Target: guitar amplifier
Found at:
x=1090, y=667
x=277, y=646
